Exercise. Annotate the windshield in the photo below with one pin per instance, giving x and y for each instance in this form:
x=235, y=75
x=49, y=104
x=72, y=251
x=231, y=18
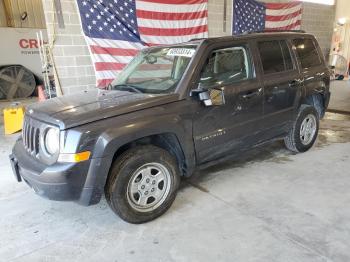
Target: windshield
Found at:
x=157, y=70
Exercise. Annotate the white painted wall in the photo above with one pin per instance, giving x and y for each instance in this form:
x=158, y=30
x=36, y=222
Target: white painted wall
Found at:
x=343, y=11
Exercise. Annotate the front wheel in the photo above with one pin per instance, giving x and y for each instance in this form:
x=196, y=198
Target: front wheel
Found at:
x=142, y=184
x=304, y=132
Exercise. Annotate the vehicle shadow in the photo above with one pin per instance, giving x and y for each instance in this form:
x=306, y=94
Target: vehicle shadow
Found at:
x=272, y=152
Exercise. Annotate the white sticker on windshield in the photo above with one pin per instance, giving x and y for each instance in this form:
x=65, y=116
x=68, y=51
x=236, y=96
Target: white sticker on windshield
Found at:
x=188, y=52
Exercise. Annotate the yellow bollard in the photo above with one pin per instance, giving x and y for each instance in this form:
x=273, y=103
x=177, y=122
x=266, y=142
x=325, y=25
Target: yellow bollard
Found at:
x=13, y=119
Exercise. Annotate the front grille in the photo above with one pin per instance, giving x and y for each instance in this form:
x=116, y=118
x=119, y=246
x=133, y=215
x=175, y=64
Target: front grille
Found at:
x=31, y=135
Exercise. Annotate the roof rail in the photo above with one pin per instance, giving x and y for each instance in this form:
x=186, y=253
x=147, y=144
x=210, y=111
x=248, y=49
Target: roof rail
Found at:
x=276, y=31
x=196, y=39
x=281, y=31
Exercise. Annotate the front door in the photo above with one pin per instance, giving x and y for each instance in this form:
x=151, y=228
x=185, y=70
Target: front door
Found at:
x=219, y=130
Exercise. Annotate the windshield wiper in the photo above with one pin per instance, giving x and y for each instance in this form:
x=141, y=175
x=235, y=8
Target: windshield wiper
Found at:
x=127, y=86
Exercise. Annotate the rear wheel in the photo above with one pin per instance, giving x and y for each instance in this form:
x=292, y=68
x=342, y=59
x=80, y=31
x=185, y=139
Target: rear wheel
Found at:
x=304, y=132
x=142, y=184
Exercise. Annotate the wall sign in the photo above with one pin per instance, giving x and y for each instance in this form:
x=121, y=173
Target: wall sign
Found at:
x=20, y=47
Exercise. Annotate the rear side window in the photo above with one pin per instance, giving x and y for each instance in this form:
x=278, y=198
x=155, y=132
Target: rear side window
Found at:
x=275, y=56
x=307, y=52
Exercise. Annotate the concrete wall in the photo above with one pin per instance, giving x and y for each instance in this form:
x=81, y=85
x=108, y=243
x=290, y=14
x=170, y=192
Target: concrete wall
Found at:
x=71, y=54
x=317, y=19
x=215, y=17
x=343, y=11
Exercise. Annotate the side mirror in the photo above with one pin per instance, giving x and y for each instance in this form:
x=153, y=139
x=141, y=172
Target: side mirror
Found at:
x=210, y=97
x=217, y=96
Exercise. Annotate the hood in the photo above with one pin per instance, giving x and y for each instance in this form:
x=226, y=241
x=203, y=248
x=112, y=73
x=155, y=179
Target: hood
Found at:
x=89, y=106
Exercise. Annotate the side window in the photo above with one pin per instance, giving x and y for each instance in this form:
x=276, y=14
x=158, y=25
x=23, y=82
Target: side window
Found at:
x=226, y=66
x=307, y=52
x=288, y=62
x=275, y=56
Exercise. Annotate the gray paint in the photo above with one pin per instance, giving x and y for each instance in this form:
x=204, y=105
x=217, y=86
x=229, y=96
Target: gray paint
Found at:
x=104, y=123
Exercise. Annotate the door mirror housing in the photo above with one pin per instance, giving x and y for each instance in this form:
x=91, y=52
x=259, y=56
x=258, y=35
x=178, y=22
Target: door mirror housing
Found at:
x=210, y=97
x=217, y=96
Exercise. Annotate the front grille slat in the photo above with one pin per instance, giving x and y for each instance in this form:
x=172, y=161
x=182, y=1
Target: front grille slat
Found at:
x=27, y=136
x=36, y=141
x=31, y=136
x=23, y=133
x=31, y=142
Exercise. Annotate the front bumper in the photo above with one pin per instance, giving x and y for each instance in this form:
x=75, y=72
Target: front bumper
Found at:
x=60, y=181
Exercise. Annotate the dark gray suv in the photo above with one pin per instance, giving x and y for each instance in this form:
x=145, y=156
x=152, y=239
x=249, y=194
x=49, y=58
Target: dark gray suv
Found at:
x=173, y=109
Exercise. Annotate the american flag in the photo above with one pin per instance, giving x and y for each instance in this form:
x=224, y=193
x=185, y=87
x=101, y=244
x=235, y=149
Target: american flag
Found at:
x=254, y=16
x=116, y=30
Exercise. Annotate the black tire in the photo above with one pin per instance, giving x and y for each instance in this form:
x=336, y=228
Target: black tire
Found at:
x=293, y=141
x=120, y=176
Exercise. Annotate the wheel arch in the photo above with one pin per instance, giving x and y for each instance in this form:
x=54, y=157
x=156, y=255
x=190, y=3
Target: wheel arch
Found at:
x=317, y=97
x=317, y=101
x=168, y=141
x=170, y=133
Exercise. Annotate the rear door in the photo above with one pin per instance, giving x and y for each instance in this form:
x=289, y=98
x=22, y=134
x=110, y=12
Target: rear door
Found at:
x=236, y=124
x=281, y=81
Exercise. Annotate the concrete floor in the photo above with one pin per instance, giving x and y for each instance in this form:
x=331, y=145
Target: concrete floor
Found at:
x=270, y=205
x=340, y=96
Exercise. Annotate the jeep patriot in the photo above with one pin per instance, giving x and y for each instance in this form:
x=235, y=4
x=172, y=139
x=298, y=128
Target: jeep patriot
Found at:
x=173, y=109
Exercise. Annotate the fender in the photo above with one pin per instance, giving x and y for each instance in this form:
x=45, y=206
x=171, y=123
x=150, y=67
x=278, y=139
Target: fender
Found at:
x=316, y=82
x=126, y=129
x=318, y=88
x=113, y=138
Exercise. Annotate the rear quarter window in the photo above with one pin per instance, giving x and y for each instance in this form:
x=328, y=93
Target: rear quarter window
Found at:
x=307, y=52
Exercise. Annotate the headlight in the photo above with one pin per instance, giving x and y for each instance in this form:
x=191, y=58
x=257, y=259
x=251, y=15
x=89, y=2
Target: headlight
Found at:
x=52, y=141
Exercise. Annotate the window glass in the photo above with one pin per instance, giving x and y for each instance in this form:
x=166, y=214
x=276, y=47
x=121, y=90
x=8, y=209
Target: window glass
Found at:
x=288, y=63
x=156, y=70
x=275, y=56
x=307, y=52
x=225, y=66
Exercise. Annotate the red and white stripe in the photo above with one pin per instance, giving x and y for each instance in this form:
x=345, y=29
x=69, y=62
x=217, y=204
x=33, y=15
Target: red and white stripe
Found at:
x=283, y=16
x=171, y=21
x=160, y=22
x=110, y=57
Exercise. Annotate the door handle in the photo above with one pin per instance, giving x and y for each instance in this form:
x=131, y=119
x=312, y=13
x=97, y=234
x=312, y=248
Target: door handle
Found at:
x=294, y=83
x=251, y=94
